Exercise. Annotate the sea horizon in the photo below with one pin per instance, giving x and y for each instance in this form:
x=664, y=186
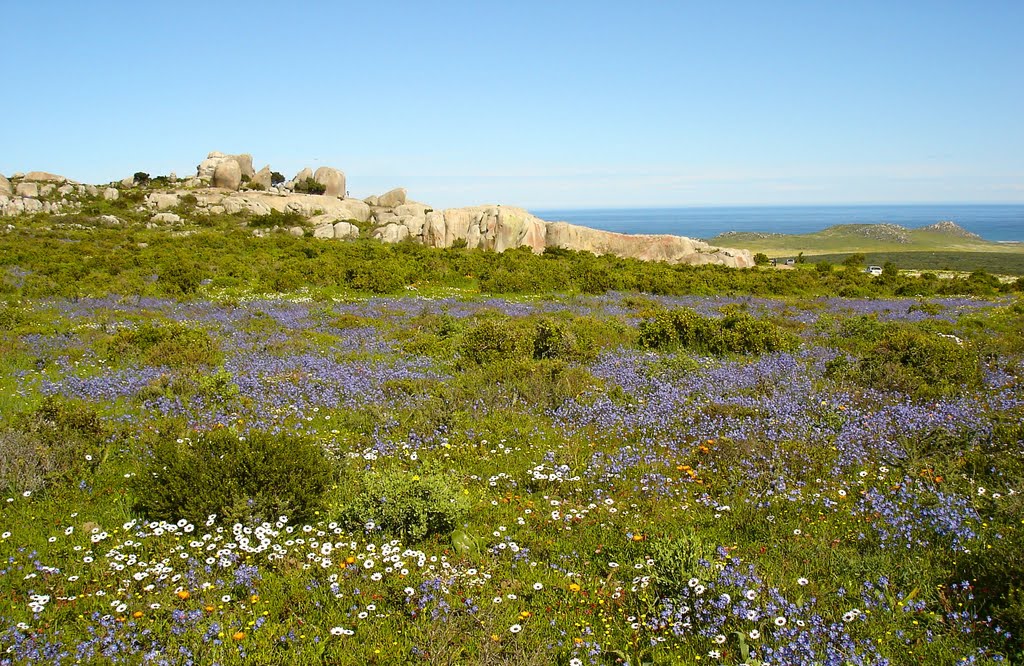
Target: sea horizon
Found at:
x=991, y=221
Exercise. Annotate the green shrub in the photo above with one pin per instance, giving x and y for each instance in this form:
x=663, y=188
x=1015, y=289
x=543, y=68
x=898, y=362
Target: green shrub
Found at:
x=544, y=383
x=310, y=186
x=921, y=363
x=493, y=339
x=255, y=477
x=180, y=278
x=577, y=338
x=173, y=345
x=58, y=441
x=761, y=259
x=407, y=505
x=277, y=219
x=376, y=278
x=140, y=178
x=735, y=333
x=11, y=317
x=276, y=178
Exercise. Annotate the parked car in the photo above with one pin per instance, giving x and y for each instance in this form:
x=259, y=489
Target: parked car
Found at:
x=875, y=270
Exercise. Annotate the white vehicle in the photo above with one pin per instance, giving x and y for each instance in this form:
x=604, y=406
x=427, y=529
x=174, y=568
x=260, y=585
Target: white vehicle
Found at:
x=874, y=270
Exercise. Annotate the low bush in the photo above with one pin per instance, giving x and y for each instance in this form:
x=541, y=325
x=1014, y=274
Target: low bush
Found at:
x=171, y=344
x=255, y=477
x=920, y=363
x=310, y=186
x=58, y=441
x=277, y=219
x=407, y=505
x=735, y=333
x=497, y=339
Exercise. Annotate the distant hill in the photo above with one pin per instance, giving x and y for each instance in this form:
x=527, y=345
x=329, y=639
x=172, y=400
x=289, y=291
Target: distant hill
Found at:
x=944, y=236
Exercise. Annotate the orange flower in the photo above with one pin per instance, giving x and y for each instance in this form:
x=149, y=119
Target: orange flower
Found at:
x=183, y=594
x=237, y=636
x=137, y=614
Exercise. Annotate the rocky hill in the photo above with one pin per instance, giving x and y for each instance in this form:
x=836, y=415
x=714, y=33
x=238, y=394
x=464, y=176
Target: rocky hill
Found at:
x=950, y=228
x=229, y=184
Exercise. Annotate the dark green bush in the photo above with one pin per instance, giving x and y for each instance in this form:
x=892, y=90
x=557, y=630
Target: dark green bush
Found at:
x=735, y=333
x=277, y=219
x=255, y=477
x=171, y=344
x=408, y=505
x=276, y=178
x=310, y=186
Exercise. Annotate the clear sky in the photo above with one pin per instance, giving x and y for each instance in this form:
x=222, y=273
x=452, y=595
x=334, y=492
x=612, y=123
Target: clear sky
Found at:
x=538, y=104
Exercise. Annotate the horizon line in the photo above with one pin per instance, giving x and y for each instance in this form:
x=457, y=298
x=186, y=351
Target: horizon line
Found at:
x=775, y=205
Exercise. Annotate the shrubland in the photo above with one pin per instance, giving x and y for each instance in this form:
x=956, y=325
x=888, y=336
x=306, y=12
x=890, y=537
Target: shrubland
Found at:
x=74, y=256
x=734, y=466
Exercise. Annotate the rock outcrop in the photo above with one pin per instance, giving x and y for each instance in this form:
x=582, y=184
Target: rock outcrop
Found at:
x=207, y=168
x=43, y=177
x=227, y=175
x=332, y=179
x=263, y=178
x=24, y=189
x=162, y=200
x=395, y=197
x=671, y=249
x=950, y=228
x=390, y=217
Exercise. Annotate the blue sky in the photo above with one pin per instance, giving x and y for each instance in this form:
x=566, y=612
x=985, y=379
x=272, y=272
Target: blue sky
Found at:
x=539, y=104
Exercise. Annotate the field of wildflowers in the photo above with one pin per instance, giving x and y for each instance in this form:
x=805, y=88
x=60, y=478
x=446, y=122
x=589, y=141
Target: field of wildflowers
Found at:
x=511, y=481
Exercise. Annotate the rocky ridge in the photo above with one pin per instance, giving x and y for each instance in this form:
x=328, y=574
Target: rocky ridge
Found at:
x=229, y=184
x=950, y=228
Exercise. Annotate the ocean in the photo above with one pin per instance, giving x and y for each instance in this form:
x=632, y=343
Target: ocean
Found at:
x=994, y=222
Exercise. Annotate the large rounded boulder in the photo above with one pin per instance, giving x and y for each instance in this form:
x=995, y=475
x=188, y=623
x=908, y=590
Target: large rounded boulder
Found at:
x=332, y=179
x=227, y=175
